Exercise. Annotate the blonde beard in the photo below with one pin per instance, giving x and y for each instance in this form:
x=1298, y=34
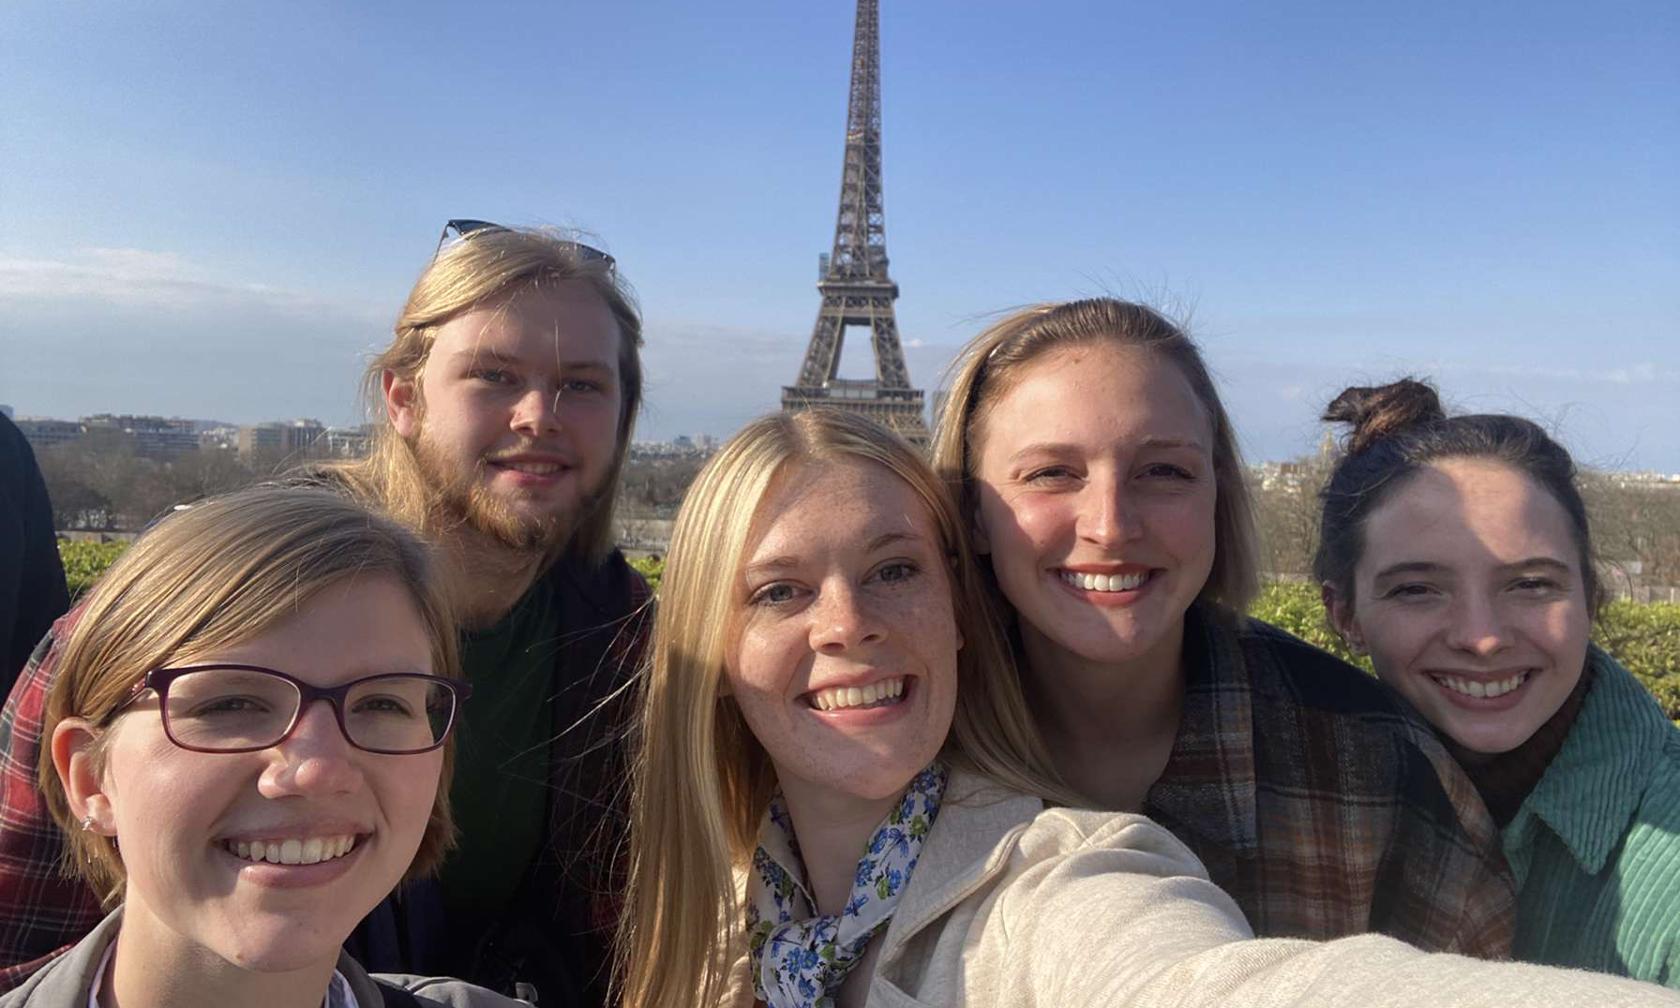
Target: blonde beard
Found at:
x=460, y=498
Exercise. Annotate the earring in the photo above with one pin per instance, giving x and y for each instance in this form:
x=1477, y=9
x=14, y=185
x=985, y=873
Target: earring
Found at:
x=87, y=822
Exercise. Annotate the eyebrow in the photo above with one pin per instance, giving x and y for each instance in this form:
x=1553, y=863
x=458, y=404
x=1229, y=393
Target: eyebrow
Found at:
x=776, y=563
x=1430, y=567
x=1057, y=447
x=473, y=354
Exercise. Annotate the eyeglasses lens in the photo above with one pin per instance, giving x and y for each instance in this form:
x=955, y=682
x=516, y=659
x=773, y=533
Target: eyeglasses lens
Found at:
x=222, y=709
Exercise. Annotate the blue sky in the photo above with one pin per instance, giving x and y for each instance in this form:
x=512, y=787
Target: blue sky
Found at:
x=214, y=210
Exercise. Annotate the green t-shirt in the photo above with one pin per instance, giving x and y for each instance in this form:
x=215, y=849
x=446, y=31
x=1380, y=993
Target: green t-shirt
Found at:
x=500, y=793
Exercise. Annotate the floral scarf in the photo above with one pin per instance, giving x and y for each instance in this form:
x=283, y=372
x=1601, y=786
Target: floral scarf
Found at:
x=800, y=958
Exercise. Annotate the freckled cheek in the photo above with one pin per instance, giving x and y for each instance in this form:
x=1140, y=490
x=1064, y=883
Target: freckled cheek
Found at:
x=763, y=666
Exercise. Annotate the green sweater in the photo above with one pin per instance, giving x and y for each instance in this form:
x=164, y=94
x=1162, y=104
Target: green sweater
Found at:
x=1596, y=847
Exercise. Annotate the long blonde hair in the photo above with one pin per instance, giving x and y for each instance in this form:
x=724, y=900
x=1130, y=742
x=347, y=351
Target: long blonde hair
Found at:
x=700, y=780
x=991, y=365
x=214, y=576
x=487, y=265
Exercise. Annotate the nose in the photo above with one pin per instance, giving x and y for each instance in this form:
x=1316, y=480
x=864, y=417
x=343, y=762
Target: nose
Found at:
x=315, y=759
x=841, y=619
x=536, y=412
x=1107, y=515
x=1477, y=627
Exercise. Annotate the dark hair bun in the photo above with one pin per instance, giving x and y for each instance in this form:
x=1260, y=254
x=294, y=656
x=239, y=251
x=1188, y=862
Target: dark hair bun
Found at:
x=1379, y=411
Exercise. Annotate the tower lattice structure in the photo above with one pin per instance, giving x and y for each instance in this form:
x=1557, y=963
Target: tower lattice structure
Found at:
x=855, y=287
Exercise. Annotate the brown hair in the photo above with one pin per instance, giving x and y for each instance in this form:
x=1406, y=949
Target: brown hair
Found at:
x=1399, y=428
x=490, y=264
x=992, y=363
x=215, y=575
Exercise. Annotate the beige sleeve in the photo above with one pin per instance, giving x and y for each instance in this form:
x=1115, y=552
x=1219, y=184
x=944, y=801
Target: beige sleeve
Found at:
x=1126, y=916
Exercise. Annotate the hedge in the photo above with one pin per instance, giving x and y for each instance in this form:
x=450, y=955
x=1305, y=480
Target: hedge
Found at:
x=85, y=560
x=1644, y=637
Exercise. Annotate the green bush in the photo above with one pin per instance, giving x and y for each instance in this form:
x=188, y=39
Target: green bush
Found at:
x=1644, y=638
x=651, y=567
x=1295, y=606
x=84, y=561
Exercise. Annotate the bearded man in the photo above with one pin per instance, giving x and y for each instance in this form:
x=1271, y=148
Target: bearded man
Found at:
x=507, y=400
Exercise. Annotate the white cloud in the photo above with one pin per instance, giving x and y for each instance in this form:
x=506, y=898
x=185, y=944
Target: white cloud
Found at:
x=139, y=278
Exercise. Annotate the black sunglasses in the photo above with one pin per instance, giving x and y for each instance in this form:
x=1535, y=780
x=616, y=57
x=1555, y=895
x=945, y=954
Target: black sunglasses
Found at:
x=461, y=228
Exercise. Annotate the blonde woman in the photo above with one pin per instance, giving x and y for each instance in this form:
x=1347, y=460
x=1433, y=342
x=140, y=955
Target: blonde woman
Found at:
x=838, y=799
x=248, y=750
x=1100, y=475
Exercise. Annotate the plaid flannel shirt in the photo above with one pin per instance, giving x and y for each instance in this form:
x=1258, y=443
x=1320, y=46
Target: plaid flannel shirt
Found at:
x=41, y=908
x=571, y=905
x=1322, y=803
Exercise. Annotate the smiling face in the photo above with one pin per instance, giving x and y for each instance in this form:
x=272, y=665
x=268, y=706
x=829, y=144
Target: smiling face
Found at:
x=1096, y=491
x=192, y=828
x=1469, y=597
x=844, y=653
x=514, y=416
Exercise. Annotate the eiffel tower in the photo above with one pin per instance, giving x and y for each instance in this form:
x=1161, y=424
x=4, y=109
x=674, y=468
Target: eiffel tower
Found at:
x=856, y=290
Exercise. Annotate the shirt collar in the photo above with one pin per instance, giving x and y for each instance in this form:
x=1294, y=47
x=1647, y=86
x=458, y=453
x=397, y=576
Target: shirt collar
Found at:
x=1592, y=788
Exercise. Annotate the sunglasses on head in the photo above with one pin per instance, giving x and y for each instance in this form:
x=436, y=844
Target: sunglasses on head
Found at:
x=460, y=229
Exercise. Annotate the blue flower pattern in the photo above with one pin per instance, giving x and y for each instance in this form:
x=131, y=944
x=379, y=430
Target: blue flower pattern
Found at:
x=800, y=958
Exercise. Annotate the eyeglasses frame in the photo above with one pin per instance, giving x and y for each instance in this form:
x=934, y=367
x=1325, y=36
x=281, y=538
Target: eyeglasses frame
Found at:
x=158, y=681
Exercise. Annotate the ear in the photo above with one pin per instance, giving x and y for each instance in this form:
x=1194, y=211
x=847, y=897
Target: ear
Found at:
x=75, y=756
x=402, y=402
x=1340, y=611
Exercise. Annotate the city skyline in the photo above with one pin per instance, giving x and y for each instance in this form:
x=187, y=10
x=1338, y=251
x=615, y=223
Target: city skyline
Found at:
x=1340, y=194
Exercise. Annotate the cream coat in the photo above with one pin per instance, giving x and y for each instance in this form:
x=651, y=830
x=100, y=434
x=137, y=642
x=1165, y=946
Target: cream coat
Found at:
x=1015, y=905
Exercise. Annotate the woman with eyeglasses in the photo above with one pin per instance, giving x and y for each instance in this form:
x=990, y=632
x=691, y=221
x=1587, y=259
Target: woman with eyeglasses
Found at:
x=839, y=798
x=247, y=746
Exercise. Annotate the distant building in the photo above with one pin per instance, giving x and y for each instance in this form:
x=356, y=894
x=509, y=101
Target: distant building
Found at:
x=701, y=445
x=345, y=442
x=279, y=437
x=222, y=438
x=41, y=432
x=158, y=437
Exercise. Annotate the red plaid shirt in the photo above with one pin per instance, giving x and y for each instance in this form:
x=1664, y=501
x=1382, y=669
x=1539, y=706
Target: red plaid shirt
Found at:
x=41, y=908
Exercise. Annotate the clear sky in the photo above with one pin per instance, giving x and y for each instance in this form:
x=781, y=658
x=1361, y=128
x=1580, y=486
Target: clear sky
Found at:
x=215, y=210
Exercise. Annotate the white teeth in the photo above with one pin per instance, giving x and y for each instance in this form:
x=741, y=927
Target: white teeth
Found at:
x=534, y=468
x=1482, y=690
x=1104, y=582
x=292, y=851
x=841, y=697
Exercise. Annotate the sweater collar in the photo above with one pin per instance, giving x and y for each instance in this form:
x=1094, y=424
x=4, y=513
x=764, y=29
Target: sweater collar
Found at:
x=961, y=851
x=1592, y=788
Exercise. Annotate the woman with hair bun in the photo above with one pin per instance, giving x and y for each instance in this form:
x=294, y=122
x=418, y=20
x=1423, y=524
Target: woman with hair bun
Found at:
x=838, y=798
x=1456, y=551
x=1099, y=475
